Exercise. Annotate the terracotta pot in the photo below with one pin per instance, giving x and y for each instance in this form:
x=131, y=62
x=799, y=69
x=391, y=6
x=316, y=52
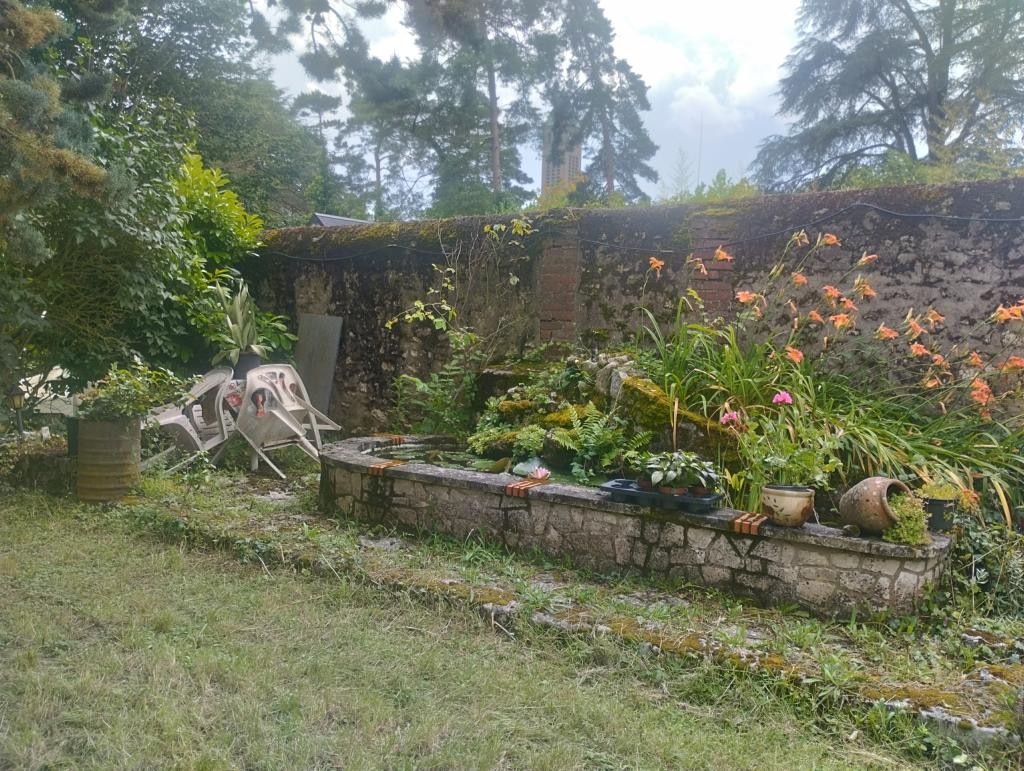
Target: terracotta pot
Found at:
x=866, y=504
x=644, y=484
x=666, y=490
x=787, y=505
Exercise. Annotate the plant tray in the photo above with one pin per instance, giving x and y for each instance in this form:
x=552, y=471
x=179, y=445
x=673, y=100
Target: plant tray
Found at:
x=628, y=491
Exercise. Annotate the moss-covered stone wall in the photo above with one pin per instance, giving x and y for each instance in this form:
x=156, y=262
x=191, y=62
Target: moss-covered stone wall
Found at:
x=582, y=273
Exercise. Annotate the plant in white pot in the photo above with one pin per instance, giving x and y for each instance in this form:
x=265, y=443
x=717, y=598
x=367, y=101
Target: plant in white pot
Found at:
x=679, y=472
x=785, y=459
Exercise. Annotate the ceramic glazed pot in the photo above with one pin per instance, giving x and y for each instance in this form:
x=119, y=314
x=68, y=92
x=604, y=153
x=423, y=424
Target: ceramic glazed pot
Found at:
x=787, y=505
x=866, y=504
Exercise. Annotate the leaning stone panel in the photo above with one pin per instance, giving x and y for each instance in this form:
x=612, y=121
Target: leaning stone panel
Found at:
x=815, y=567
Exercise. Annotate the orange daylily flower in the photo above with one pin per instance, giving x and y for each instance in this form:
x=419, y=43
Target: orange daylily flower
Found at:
x=795, y=355
x=980, y=391
x=799, y=279
x=841, y=320
x=934, y=317
x=1013, y=364
x=848, y=304
x=656, y=265
x=932, y=382
x=938, y=360
x=867, y=259
x=830, y=239
x=975, y=360
x=1013, y=313
x=885, y=333
x=914, y=330
x=863, y=288
x=916, y=349
x=815, y=316
x=831, y=292
x=747, y=297
x=722, y=256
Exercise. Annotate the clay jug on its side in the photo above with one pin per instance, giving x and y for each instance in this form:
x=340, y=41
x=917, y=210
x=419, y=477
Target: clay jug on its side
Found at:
x=866, y=504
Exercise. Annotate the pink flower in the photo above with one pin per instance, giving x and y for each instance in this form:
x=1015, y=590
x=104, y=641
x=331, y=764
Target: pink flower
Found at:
x=729, y=417
x=539, y=473
x=782, y=397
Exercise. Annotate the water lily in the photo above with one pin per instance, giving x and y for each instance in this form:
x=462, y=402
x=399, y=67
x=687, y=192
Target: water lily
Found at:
x=539, y=473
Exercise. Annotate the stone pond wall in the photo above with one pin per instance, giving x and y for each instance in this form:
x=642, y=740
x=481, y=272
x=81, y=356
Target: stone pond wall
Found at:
x=582, y=273
x=815, y=567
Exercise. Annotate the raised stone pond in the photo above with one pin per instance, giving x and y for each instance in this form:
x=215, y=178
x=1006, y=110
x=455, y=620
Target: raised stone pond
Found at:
x=816, y=567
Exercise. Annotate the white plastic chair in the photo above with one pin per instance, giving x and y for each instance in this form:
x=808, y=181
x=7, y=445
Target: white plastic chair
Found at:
x=276, y=412
x=202, y=424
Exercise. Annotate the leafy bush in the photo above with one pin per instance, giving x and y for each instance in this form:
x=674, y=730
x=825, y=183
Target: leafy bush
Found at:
x=986, y=569
x=131, y=392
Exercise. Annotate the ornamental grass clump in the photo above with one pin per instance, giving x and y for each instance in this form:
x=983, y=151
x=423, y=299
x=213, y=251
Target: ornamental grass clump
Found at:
x=911, y=526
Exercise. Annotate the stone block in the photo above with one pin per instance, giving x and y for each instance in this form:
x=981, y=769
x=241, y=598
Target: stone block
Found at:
x=844, y=560
x=659, y=560
x=623, y=548
x=716, y=575
x=722, y=553
x=672, y=536
x=698, y=538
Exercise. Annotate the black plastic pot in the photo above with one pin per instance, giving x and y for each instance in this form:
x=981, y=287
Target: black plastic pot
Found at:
x=941, y=514
x=246, y=362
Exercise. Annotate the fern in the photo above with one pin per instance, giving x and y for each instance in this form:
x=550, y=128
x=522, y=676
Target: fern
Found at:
x=598, y=441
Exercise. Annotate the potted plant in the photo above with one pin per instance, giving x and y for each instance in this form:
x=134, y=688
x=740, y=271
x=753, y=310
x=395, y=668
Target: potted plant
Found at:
x=789, y=459
x=679, y=472
x=239, y=338
x=910, y=526
x=110, y=427
x=940, y=501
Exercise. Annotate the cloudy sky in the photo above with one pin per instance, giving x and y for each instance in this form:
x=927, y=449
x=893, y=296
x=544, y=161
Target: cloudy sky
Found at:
x=714, y=62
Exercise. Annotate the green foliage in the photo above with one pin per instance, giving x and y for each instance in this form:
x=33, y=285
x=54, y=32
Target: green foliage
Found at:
x=598, y=441
x=244, y=330
x=986, y=569
x=911, y=526
x=939, y=82
x=441, y=403
x=131, y=392
x=681, y=469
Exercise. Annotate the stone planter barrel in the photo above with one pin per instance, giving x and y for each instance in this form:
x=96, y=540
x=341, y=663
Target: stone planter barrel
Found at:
x=109, y=457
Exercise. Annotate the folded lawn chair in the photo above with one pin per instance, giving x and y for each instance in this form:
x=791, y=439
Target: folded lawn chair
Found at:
x=202, y=424
x=276, y=412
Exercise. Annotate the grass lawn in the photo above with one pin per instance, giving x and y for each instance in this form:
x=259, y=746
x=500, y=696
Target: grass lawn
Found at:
x=117, y=650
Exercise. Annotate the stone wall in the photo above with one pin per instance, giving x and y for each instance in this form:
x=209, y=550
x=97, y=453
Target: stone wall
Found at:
x=583, y=273
x=815, y=567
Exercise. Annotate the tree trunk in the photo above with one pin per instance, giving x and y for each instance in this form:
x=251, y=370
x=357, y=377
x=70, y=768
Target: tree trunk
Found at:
x=378, y=202
x=608, y=154
x=938, y=81
x=492, y=95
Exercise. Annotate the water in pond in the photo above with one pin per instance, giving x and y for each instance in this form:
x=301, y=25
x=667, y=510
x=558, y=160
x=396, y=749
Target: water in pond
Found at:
x=453, y=456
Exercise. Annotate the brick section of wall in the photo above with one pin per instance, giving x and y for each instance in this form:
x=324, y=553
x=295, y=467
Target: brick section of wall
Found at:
x=716, y=288
x=558, y=279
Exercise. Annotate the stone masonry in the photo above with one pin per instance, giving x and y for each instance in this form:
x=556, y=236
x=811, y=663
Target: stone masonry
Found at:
x=815, y=567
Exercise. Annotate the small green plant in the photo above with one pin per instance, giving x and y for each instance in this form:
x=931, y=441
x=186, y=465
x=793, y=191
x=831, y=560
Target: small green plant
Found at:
x=943, y=491
x=131, y=392
x=681, y=469
x=911, y=525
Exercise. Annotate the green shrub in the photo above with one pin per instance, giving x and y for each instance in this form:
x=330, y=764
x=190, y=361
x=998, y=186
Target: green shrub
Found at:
x=131, y=392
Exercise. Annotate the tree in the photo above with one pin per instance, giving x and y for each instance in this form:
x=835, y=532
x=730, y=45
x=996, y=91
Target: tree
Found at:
x=938, y=81
x=45, y=146
x=597, y=100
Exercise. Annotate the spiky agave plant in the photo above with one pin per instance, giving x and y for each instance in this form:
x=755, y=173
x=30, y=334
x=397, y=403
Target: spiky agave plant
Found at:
x=241, y=332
